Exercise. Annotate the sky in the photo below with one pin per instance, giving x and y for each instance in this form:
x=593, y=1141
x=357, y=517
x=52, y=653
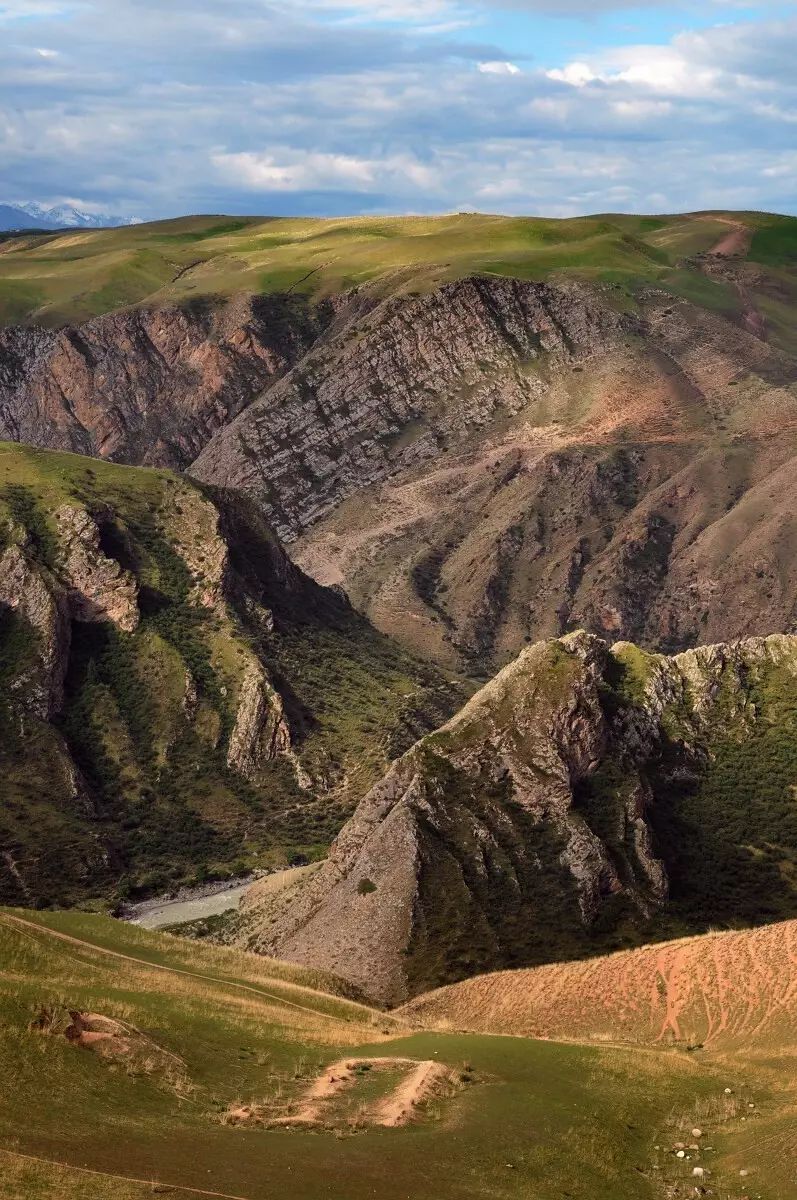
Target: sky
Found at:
x=325, y=107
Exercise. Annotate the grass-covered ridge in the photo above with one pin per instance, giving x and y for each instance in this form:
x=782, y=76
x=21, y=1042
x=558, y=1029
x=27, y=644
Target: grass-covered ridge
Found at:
x=69, y=277
x=133, y=783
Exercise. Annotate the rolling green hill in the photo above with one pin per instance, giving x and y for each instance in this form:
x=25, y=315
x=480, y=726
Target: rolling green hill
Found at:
x=69, y=277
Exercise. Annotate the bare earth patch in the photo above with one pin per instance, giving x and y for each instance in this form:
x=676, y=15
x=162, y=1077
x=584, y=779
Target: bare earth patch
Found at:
x=421, y=1081
x=720, y=990
x=116, y=1041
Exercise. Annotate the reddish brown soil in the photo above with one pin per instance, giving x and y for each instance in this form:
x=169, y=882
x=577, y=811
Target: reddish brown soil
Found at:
x=724, y=989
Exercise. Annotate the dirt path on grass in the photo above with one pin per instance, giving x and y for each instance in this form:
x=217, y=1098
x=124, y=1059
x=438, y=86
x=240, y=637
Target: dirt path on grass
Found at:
x=736, y=240
x=421, y=1081
x=736, y=244
x=21, y=923
x=398, y=1108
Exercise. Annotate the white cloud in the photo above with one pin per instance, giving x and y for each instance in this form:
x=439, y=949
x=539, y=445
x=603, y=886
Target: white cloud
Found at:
x=650, y=68
x=309, y=106
x=633, y=110
x=265, y=172
x=577, y=74
x=499, y=68
x=288, y=170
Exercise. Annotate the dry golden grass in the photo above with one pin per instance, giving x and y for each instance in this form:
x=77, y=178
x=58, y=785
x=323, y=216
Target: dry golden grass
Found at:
x=723, y=990
x=39, y=1181
x=291, y=1010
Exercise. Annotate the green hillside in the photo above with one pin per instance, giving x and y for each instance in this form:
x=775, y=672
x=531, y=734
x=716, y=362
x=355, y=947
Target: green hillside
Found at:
x=69, y=277
x=176, y=699
x=218, y=1032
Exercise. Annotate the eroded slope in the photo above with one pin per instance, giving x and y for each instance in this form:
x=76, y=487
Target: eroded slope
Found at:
x=723, y=991
x=585, y=798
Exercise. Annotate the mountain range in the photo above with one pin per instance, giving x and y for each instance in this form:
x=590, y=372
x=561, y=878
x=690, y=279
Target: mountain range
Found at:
x=31, y=215
x=436, y=578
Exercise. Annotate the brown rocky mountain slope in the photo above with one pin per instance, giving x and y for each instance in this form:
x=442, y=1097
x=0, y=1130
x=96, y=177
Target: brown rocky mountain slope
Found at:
x=175, y=696
x=585, y=799
x=636, y=480
x=148, y=386
x=481, y=462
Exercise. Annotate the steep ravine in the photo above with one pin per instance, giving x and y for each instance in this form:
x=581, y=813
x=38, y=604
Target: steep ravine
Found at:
x=478, y=465
x=406, y=380
x=176, y=697
x=149, y=385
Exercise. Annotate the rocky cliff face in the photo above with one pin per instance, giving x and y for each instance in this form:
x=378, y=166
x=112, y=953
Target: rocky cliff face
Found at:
x=158, y=709
x=151, y=385
x=479, y=465
x=401, y=382
x=646, y=469
x=586, y=797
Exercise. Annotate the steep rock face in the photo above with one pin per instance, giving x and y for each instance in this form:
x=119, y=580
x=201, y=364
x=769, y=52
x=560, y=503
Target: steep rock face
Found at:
x=479, y=466
x=260, y=733
x=397, y=385
x=159, y=711
x=99, y=587
x=149, y=386
x=29, y=593
x=551, y=817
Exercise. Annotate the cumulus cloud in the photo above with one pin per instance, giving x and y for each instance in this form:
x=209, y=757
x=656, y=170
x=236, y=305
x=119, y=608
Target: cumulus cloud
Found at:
x=256, y=105
x=288, y=170
x=499, y=68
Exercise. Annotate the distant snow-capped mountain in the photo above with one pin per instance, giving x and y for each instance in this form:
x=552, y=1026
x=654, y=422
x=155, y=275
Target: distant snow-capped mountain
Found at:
x=31, y=215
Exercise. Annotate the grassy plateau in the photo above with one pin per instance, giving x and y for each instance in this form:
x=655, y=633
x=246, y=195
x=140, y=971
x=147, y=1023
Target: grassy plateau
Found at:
x=53, y=279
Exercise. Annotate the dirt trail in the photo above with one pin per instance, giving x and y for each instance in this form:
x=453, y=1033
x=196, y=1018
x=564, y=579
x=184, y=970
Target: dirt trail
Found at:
x=736, y=244
x=421, y=1081
x=399, y=1107
x=21, y=923
x=736, y=241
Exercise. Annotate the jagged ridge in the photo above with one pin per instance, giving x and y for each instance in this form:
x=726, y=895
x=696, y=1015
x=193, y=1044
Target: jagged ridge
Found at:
x=480, y=464
x=585, y=799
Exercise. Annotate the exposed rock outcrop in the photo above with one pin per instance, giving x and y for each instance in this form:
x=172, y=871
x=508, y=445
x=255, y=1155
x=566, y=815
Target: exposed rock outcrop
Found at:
x=261, y=732
x=529, y=828
x=411, y=376
x=149, y=386
x=39, y=682
x=481, y=464
x=100, y=589
x=629, y=495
